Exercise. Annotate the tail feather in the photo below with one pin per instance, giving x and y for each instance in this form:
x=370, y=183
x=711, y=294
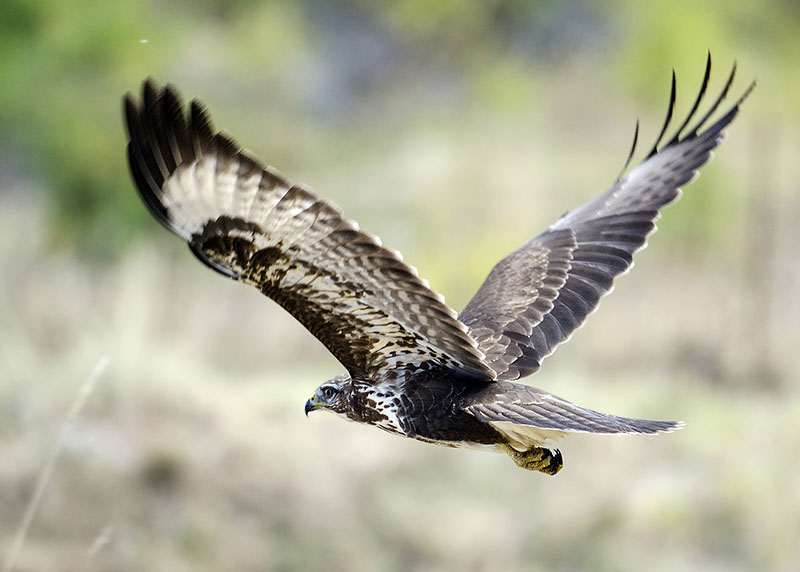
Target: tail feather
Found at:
x=529, y=416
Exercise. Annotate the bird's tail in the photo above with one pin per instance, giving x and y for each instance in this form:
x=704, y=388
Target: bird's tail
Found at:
x=529, y=417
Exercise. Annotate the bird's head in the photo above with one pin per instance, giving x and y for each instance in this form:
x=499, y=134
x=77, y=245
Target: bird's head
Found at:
x=333, y=395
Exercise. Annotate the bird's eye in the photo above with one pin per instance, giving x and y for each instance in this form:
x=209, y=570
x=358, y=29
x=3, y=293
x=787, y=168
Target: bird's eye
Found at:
x=328, y=392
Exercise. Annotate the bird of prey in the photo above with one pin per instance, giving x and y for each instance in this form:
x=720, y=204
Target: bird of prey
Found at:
x=413, y=366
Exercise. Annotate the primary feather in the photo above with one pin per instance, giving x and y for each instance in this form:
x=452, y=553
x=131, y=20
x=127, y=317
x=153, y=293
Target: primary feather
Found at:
x=536, y=297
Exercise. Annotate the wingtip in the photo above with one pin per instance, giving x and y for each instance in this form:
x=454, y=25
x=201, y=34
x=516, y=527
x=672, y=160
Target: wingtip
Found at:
x=631, y=152
x=670, y=110
x=747, y=92
x=170, y=93
x=149, y=85
x=149, y=91
x=130, y=113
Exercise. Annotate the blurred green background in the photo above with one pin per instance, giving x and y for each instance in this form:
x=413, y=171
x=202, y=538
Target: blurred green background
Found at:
x=455, y=130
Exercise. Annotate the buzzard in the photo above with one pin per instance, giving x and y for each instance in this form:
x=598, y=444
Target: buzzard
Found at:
x=413, y=365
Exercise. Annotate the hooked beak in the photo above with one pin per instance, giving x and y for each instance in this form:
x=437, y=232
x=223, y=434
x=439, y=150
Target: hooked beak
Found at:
x=311, y=404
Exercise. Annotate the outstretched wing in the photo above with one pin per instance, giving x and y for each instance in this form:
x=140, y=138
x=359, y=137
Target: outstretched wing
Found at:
x=537, y=296
x=249, y=223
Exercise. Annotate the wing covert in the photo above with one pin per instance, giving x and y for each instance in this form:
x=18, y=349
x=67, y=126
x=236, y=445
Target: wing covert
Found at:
x=535, y=298
x=246, y=221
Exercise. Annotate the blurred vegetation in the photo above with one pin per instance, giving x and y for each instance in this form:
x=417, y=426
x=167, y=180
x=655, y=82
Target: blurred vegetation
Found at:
x=456, y=130
x=66, y=63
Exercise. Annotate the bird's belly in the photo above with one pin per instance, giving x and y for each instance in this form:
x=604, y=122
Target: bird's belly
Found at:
x=463, y=444
x=459, y=429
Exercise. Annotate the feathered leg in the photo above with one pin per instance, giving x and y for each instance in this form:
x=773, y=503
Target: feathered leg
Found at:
x=536, y=459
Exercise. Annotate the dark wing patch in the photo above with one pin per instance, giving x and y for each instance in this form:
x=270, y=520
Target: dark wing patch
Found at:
x=246, y=221
x=535, y=298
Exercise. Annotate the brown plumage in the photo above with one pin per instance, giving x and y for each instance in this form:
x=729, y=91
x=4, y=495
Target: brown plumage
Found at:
x=414, y=367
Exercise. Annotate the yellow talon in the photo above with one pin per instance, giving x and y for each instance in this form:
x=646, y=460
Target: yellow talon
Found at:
x=536, y=459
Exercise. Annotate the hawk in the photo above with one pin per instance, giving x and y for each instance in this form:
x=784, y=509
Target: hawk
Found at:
x=414, y=366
